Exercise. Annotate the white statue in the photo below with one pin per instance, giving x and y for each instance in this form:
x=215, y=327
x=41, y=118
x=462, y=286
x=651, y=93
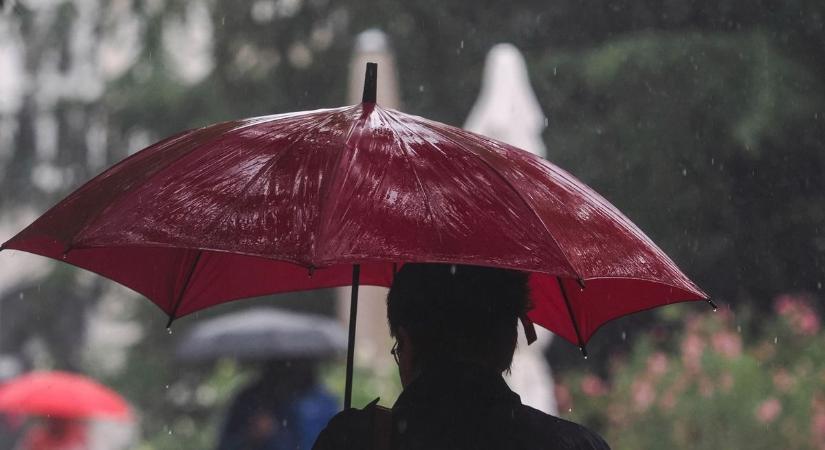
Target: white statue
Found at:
x=507, y=110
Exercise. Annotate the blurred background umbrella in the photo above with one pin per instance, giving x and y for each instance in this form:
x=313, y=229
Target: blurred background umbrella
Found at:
x=62, y=394
x=263, y=334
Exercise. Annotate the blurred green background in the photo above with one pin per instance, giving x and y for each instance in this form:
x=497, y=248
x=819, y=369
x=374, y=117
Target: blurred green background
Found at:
x=703, y=121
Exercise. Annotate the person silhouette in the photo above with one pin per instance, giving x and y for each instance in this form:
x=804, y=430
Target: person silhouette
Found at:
x=455, y=328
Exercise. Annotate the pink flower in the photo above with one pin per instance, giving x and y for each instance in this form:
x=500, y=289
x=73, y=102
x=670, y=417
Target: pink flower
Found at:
x=783, y=380
x=784, y=304
x=643, y=395
x=692, y=349
x=564, y=400
x=818, y=430
x=797, y=311
x=657, y=364
x=727, y=344
x=593, y=386
x=809, y=324
x=768, y=410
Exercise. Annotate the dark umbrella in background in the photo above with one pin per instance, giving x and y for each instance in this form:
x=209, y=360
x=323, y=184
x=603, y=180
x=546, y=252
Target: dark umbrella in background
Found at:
x=263, y=334
x=344, y=196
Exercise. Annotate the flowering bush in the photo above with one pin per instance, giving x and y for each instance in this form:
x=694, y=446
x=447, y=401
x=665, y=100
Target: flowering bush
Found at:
x=710, y=386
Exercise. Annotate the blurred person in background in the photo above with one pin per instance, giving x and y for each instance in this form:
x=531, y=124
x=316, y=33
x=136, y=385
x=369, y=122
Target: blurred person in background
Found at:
x=55, y=433
x=455, y=328
x=284, y=409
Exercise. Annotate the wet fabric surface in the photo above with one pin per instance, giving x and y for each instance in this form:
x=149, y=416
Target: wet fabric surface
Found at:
x=290, y=202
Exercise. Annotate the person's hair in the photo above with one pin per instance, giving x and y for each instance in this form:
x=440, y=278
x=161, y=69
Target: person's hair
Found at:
x=458, y=312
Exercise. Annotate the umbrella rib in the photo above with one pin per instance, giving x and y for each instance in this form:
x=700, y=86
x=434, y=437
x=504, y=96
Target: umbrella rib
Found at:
x=88, y=223
x=519, y=195
x=183, y=290
x=572, y=316
x=118, y=197
x=403, y=146
x=329, y=192
x=299, y=136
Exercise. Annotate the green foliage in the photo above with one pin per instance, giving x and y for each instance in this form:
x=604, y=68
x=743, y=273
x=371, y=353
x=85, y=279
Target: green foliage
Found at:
x=711, y=386
x=710, y=142
x=368, y=384
x=194, y=409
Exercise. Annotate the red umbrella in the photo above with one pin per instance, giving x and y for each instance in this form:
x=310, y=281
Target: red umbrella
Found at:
x=342, y=196
x=61, y=394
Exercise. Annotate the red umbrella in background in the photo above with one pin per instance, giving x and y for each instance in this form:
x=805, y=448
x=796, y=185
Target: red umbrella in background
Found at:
x=343, y=196
x=61, y=395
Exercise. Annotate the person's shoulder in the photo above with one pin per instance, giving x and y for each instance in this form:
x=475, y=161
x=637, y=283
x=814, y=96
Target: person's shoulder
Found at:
x=346, y=430
x=548, y=431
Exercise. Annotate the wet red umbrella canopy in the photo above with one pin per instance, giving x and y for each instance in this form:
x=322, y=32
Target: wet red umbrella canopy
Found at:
x=338, y=196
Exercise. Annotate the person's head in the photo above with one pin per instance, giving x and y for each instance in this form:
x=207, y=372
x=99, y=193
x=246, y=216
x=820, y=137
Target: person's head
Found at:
x=446, y=313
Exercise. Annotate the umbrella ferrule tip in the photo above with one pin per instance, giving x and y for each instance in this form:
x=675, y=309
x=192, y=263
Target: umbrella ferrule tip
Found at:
x=370, y=83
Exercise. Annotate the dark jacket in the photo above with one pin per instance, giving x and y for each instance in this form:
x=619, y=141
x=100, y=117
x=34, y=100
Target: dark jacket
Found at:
x=460, y=407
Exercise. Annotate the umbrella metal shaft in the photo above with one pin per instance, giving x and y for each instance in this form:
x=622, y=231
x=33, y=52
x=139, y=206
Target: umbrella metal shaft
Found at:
x=353, y=317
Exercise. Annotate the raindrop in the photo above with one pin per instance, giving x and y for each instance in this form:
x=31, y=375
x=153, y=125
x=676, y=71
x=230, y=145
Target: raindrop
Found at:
x=22, y=295
x=170, y=432
x=555, y=71
x=819, y=285
x=624, y=336
x=569, y=410
x=284, y=423
x=169, y=330
x=585, y=356
x=420, y=88
x=739, y=328
x=775, y=339
x=684, y=172
x=715, y=309
x=167, y=386
x=546, y=121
